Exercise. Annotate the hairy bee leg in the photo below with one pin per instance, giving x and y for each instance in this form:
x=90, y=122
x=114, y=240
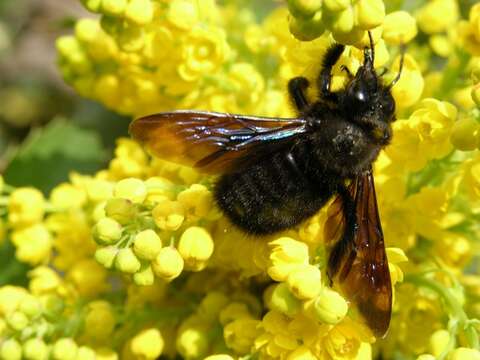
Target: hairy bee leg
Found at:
x=325, y=77
x=296, y=89
x=344, y=249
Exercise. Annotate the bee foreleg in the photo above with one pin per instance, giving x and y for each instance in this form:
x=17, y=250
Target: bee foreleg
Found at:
x=296, y=89
x=324, y=79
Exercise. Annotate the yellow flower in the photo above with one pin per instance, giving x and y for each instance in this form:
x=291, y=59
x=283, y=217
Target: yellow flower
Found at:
x=192, y=342
x=437, y=16
x=168, y=263
x=43, y=280
x=465, y=353
x=99, y=321
x=240, y=334
x=35, y=349
x=148, y=344
x=329, y=307
x=88, y=277
x=168, y=215
x=11, y=350
x=66, y=196
x=439, y=342
x=468, y=32
x=203, y=52
x=304, y=282
x=26, y=206
x=465, y=134
x=399, y=28
x=195, y=247
x=33, y=243
x=147, y=244
x=287, y=255
x=65, y=349
x=131, y=189
x=197, y=201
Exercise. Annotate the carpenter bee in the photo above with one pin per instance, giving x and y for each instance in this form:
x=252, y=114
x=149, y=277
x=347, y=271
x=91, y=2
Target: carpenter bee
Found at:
x=276, y=173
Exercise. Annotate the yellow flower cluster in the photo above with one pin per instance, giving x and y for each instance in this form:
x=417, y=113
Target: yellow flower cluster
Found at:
x=136, y=261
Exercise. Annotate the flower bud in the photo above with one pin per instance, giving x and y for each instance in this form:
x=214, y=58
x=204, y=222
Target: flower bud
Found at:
x=121, y=210
x=107, y=231
x=426, y=357
x=35, y=349
x=92, y=5
x=195, y=247
x=462, y=353
x=336, y=5
x=284, y=301
x=131, y=189
x=168, y=264
x=192, y=342
x=439, y=341
x=465, y=134
x=147, y=245
x=114, y=7
x=30, y=306
x=86, y=353
x=304, y=282
x=287, y=254
x=240, y=334
x=10, y=349
x=330, y=307
x=168, y=215
x=26, y=206
x=148, y=344
x=53, y=305
x=65, y=349
x=304, y=8
x=370, y=14
x=17, y=321
x=399, y=28
x=139, y=12
x=309, y=29
x=219, y=357
x=126, y=261
x=106, y=256
x=144, y=277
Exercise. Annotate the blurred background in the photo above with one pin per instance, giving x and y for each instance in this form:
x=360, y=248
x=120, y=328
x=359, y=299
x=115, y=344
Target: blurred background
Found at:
x=43, y=123
x=46, y=130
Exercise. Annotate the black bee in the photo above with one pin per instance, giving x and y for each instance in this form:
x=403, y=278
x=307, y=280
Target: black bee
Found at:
x=276, y=173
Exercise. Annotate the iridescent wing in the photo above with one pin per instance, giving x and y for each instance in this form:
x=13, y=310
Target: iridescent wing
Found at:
x=214, y=142
x=359, y=265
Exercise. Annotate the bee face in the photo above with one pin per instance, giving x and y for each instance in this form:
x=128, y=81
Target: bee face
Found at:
x=367, y=102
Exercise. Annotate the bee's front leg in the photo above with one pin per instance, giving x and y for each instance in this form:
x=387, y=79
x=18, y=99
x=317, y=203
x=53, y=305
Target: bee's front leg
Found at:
x=296, y=89
x=324, y=79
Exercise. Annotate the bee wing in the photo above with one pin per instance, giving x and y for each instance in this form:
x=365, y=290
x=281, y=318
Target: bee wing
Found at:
x=214, y=142
x=361, y=267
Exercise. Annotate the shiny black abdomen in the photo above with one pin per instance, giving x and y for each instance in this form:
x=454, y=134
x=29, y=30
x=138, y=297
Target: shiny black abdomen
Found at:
x=275, y=194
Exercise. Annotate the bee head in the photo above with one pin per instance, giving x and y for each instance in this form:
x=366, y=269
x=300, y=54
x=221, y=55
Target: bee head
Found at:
x=368, y=102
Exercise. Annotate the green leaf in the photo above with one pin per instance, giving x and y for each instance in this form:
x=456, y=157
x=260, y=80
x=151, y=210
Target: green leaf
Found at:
x=49, y=154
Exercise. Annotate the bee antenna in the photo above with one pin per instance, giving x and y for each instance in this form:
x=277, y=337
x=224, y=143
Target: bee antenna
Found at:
x=369, y=53
x=402, y=59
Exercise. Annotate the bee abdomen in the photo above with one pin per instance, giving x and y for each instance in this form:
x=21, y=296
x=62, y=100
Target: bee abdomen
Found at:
x=270, y=196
